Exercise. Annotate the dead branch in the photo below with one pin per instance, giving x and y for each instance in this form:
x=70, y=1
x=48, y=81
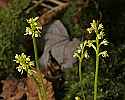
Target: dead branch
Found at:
x=36, y=3
x=50, y=10
x=49, y=15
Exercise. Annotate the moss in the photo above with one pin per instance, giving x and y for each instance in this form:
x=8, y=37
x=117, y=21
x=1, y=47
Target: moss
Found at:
x=11, y=27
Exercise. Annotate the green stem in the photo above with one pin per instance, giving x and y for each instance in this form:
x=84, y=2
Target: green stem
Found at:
x=97, y=67
x=41, y=89
x=80, y=77
x=80, y=72
x=36, y=53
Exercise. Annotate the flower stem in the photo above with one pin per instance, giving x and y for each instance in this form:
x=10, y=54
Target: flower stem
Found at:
x=41, y=89
x=36, y=53
x=80, y=77
x=80, y=72
x=97, y=67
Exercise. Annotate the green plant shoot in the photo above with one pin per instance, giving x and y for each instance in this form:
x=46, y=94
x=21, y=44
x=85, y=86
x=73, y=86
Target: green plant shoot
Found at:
x=99, y=30
x=25, y=63
x=34, y=30
x=81, y=53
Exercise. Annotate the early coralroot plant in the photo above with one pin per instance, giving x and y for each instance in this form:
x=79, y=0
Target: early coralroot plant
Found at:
x=99, y=41
x=81, y=53
x=27, y=65
x=96, y=44
x=34, y=30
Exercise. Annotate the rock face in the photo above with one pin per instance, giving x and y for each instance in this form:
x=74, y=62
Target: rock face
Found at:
x=58, y=42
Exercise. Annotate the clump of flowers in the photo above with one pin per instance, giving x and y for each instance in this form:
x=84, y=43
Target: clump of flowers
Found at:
x=24, y=63
x=96, y=44
x=98, y=29
x=34, y=30
x=34, y=27
x=80, y=52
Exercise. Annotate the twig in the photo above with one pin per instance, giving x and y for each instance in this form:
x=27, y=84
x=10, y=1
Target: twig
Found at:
x=34, y=6
x=48, y=16
x=47, y=6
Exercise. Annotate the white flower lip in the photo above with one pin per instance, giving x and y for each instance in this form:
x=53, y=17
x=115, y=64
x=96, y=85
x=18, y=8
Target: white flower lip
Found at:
x=100, y=26
x=104, y=42
x=104, y=54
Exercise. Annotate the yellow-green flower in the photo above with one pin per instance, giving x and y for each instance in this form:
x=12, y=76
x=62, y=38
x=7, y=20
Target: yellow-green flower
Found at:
x=104, y=54
x=32, y=20
x=86, y=54
x=94, y=25
x=34, y=27
x=90, y=30
x=100, y=26
x=100, y=35
x=77, y=98
x=80, y=50
x=104, y=42
x=24, y=63
x=89, y=43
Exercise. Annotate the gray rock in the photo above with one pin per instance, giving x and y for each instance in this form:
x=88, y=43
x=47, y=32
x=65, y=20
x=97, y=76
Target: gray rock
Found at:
x=57, y=41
